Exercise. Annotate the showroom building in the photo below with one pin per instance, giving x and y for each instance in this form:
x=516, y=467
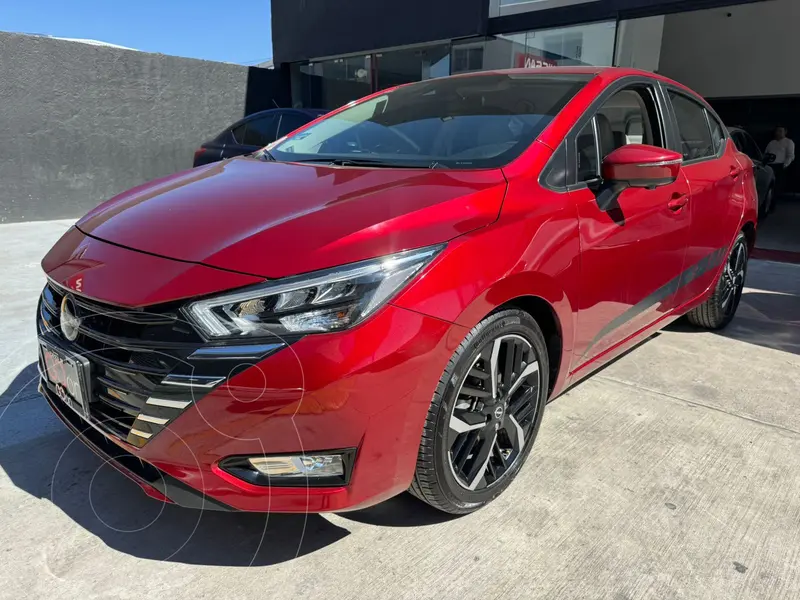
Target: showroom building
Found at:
x=739, y=55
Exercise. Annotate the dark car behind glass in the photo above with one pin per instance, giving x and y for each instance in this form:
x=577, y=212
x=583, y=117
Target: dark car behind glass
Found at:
x=762, y=172
x=254, y=132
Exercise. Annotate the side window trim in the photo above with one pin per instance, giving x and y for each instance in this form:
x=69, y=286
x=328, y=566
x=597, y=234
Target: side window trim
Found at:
x=597, y=150
x=544, y=175
x=572, y=146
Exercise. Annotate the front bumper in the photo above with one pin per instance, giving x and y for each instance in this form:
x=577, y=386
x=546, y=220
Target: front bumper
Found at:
x=154, y=483
x=368, y=388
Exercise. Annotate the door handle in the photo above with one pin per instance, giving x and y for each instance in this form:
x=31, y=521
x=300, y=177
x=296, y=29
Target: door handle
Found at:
x=678, y=202
x=735, y=172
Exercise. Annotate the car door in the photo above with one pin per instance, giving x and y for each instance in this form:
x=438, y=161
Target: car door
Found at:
x=716, y=179
x=632, y=245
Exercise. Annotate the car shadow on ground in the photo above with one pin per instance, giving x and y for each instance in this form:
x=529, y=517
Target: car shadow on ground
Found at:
x=401, y=511
x=50, y=464
x=769, y=320
x=22, y=387
x=45, y=460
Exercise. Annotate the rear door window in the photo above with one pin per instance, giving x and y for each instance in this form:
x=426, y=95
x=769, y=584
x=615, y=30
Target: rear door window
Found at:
x=290, y=122
x=261, y=131
x=695, y=135
x=717, y=133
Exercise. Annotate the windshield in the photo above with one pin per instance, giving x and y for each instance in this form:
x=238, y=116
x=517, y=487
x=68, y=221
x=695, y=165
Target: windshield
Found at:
x=471, y=122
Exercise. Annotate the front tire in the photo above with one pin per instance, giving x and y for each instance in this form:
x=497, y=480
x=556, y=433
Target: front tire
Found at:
x=485, y=414
x=718, y=311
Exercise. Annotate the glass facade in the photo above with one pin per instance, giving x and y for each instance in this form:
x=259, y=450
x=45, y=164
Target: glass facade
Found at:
x=591, y=44
x=413, y=64
x=333, y=83
x=498, y=8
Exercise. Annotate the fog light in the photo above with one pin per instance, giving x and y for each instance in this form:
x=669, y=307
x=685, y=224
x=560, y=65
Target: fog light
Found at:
x=328, y=468
x=300, y=466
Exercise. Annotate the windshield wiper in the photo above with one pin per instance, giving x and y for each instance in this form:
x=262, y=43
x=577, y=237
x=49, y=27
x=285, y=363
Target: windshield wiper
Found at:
x=265, y=154
x=360, y=162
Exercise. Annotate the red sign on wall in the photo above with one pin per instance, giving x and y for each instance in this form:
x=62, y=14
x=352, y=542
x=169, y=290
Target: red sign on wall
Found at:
x=532, y=61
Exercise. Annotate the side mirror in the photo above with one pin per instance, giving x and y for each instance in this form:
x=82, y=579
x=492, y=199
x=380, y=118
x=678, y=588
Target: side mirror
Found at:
x=769, y=158
x=639, y=165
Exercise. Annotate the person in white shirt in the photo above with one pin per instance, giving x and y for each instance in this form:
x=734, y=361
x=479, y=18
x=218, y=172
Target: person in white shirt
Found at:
x=782, y=148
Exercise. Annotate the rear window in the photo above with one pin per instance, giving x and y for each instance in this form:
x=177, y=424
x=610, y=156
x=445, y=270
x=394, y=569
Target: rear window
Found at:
x=468, y=122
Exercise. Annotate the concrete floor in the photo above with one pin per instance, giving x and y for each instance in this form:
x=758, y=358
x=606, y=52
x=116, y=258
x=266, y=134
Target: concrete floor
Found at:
x=674, y=473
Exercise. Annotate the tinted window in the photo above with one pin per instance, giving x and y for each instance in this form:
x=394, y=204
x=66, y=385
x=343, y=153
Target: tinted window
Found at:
x=238, y=133
x=693, y=128
x=290, y=122
x=460, y=122
x=717, y=133
x=738, y=140
x=260, y=131
x=751, y=148
x=628, y=117
x=586, y=147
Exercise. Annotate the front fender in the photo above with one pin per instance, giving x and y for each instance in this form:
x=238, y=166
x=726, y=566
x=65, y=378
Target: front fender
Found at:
x=532, y=251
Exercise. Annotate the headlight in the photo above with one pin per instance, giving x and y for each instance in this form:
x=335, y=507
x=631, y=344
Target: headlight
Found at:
x=327, y=300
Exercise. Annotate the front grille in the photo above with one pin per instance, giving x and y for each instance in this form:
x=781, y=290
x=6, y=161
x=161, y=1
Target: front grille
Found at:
x=131, y=352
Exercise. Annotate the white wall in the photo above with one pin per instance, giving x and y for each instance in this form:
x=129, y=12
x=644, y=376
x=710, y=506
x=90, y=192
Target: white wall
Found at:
x=639, y=43
x=754, y=52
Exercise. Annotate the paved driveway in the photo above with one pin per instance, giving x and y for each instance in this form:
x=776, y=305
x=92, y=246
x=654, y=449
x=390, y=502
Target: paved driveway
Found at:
x=674, y=473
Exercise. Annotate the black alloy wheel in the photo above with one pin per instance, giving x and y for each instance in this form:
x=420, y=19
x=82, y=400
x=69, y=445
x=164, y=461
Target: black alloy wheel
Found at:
x=732, y=280
x=484, y=415
x=494, y=412
x=720, y=308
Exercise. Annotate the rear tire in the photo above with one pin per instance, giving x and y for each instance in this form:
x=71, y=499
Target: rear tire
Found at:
x=484, y=415
x=767, y=209
x=718, y=311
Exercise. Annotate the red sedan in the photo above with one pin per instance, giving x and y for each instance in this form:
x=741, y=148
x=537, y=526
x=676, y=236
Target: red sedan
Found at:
x=386, y=299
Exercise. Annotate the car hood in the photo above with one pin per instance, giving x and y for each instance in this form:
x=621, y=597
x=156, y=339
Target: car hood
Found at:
x=276, y=219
